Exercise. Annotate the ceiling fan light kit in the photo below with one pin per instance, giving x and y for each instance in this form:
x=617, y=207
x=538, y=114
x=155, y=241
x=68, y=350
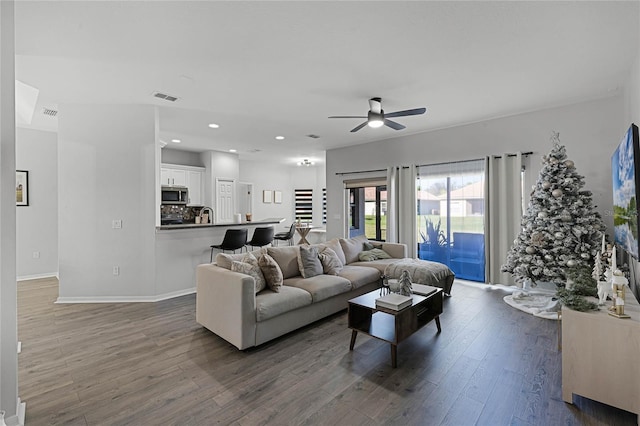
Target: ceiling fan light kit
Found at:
x=377, y=118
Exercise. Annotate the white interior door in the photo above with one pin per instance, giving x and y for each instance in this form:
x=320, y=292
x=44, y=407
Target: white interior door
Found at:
x=225, y=200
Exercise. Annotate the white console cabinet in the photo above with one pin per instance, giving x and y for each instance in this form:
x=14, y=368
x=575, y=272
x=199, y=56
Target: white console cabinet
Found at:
x=189, y=176
x=601, y=356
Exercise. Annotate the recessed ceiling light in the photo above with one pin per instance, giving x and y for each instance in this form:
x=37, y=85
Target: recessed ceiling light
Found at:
x=233, y=150
x=214, y=125
x=176, y=140
x=279, y=137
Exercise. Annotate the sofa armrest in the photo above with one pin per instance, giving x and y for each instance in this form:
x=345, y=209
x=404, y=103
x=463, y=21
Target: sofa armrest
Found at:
x=395, y=250
x=226, y=304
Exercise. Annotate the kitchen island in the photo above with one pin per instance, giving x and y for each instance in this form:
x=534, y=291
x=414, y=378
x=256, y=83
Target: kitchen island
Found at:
x=180, y=248
x=252, y=224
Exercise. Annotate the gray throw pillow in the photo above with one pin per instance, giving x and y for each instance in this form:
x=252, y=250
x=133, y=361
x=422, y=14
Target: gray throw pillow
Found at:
x=331, y=264
x=271, y=271
x=308, y=262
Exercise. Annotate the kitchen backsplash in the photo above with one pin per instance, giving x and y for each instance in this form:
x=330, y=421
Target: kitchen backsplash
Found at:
x=176, y=211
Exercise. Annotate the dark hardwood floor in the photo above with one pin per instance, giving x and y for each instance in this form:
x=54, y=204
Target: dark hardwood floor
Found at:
x=152, y=364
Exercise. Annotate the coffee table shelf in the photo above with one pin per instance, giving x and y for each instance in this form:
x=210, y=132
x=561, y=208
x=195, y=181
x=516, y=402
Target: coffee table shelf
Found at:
x=389, y=325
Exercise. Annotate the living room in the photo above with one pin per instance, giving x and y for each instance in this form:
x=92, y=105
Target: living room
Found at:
x=590, y=126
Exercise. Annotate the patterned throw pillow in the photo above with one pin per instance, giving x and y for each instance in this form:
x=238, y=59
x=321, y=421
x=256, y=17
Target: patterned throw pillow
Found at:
x=331, y=264
x=308, y=262
x=373, y=254
x=249, y=266
x=271, y=271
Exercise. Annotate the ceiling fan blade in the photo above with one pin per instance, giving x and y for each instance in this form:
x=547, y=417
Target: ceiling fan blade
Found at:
x=347, y=116
x=355, y=129
x=393, y=125
x=416, y=111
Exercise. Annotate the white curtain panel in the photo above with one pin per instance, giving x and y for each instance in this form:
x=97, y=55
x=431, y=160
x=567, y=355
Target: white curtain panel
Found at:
x=503, y=212
x=392, y=204
x=408, y=209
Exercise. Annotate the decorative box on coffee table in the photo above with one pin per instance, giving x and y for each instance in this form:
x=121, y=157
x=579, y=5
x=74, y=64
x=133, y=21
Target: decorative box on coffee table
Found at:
x=393, y=326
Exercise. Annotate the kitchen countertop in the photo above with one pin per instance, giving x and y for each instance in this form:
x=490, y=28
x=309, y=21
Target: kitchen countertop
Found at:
x=267, y=221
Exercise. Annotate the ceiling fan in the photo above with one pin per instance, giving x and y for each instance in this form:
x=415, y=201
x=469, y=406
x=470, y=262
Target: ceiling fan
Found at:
x=377, y=117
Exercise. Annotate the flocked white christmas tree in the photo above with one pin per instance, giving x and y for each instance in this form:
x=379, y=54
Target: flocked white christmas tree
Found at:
x=560, y=230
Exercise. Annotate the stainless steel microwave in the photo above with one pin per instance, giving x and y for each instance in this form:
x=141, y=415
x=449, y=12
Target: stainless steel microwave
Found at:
x=173, y=194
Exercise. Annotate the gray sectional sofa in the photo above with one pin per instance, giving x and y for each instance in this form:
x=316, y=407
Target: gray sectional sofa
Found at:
x=228, y=304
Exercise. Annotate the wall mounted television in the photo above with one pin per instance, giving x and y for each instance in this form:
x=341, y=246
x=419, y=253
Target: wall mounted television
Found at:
x=625, y=168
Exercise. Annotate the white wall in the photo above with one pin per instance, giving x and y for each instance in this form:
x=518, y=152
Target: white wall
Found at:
x=590, y=131
x=37, y=223
x=185, y=158
x=107, y=169
x=271, y=176
x=8, y=296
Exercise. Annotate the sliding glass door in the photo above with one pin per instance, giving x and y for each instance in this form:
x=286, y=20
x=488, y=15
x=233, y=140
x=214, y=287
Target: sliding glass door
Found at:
x=450, y=200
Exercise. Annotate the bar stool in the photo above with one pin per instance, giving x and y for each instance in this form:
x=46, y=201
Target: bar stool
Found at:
x=261, y=237
x=286, y=236
x=233, y=240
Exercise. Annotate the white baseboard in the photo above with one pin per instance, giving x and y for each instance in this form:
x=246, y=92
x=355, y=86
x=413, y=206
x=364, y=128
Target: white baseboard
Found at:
x=37, y=276
x=18, y=419
x=126, y=299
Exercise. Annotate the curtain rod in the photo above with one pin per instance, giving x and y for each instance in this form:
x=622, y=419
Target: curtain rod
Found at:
x=432, y=164
x=524, y=154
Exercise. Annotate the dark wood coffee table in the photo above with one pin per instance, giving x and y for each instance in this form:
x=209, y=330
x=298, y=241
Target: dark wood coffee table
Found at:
x=389, y=325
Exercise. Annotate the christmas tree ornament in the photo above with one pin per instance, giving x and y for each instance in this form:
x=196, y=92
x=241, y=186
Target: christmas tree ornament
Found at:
x=559, y=235
x=530, y=250
x=546, y=184
x=542, y=215
x=557, y=192
x=569, y=163
x=571, y=263
x=585, y=255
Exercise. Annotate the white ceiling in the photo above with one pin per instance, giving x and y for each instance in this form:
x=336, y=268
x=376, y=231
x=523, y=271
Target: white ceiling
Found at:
x=261, y=69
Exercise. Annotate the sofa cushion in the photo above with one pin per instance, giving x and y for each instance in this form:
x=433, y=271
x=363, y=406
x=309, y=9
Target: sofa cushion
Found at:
x=271, y=271
x=352, y=247
x=320, y=287
x=334, y=244
x=359, y=275
x=287, y=258
x=331, y=265
x=252, y=270
x=308, y=262
x=270, y=304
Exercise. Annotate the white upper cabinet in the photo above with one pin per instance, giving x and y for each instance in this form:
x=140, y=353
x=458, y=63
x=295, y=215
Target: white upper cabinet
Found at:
x=189, y=176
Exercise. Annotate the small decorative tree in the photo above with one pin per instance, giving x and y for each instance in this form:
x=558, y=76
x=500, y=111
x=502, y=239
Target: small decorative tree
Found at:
x=404, y=284
x=560, y=230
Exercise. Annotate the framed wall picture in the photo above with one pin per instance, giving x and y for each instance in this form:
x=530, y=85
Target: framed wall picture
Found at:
x=266, y=196
x=277, y=197
x=22, y=188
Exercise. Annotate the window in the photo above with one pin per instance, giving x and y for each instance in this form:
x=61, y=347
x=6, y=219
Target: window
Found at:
x=324, y=206
x=304, y=205
x=450, y=201
x=368, y=209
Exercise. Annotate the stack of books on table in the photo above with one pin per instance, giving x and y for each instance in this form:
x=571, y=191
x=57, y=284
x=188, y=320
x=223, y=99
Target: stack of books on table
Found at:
x=394, y=301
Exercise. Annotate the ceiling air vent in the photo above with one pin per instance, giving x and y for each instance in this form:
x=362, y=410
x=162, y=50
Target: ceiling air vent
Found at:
x=165, y=97
x=49, y=112
x=312, y=136
x=254, y=150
